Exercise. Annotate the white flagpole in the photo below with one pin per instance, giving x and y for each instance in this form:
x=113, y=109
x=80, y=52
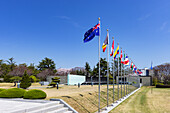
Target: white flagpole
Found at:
x=113, y=72
x=121, y=74
x=99, y=68
x=124, y=72
x=127, y=79
x=118, y=77
x=108, y=71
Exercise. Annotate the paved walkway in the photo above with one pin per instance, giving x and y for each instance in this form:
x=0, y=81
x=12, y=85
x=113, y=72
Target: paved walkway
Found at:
x=9, y=105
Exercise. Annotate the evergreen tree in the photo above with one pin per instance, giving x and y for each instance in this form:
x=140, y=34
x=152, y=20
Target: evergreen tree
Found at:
x=87, y=69
x=103, y=67
x=11, y=63
x=47, y=63
x=94, y=72
x=26, y=81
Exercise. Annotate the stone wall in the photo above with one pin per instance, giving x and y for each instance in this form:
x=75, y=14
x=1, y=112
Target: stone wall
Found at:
x=146, y=81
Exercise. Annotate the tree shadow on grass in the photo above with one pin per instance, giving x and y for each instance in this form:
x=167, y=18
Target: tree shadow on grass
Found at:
x=89, y=99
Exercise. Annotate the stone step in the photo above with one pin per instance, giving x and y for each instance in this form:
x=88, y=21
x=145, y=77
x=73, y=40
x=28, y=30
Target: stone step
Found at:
x=68, y=112
x=47, y=109
x=61, y=110
x=41, y=106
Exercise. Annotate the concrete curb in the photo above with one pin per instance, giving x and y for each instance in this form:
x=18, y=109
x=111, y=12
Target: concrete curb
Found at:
x=113, y=105
x=65, y=104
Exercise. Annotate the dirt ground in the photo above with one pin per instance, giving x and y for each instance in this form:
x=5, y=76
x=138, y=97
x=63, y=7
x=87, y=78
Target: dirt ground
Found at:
x=145, y=101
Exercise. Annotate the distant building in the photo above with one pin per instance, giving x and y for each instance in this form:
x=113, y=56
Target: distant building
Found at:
x=69, y=79
x=145, y=78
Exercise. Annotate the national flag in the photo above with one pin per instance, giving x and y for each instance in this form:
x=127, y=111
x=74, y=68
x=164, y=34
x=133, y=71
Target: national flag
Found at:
x=124, y=56
x=151, y=66
x=91, y=33
x=126, y=62
x=139, y=72
x=121, y=57
x=105, y=43
x=112, y=49
x=135, y=68
x=131, y=66
x=116, y=52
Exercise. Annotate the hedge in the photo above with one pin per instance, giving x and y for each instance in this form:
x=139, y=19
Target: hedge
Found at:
x=35, y=94
x=12, y=93
x=2, y=89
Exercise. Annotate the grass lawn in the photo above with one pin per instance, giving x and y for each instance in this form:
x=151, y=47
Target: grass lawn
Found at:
x=144, y=101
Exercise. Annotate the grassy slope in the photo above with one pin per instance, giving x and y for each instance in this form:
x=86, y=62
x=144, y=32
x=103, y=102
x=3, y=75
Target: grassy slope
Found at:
x=88, y=102
x=146, y=102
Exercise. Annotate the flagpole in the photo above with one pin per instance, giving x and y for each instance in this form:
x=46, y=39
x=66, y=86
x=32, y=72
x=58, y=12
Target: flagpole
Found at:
x=99, y=68
x=113, y=72
x=124, y=72
x=118, y=77
x=129, y=77
x=126, y=79
x=108, y=71
x=121, y=73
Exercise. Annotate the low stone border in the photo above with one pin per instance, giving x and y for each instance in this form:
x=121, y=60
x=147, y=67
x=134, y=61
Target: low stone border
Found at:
x=65, y=104
x=113, y=105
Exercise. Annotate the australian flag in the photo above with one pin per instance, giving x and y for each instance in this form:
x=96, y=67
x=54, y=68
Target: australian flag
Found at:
x=91, y=33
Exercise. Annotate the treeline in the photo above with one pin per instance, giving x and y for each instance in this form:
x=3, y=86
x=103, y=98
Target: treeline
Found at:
x=103, y=68
x=162, y=74
x=10, y=71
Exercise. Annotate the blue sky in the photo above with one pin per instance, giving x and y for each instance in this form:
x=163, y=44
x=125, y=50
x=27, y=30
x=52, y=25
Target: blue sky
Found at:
x=31, y=30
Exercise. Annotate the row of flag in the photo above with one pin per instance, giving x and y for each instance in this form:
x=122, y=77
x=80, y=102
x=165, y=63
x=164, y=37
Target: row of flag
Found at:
x=91, y=33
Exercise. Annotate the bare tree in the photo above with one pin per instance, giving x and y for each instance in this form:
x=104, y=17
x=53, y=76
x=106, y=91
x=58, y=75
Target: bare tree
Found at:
x=19, y=70
x=43, y=74
x=162, y=72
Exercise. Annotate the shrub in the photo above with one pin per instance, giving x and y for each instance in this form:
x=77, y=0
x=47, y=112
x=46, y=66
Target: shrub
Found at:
x=26, y=81
x=155, y=81
x=134, y=82
x=35, y=94
x=2, y=89
x=12, y=93
x=54, y=82
x=15, y=78
x=56, y=79
x=33, y=78
x=159, y=84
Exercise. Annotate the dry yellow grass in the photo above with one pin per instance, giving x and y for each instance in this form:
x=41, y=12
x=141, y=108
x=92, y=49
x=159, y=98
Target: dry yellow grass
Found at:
x=144, y=101
x=83, y=99
x=71, y=90
x=6, y=85
x=11, y=85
